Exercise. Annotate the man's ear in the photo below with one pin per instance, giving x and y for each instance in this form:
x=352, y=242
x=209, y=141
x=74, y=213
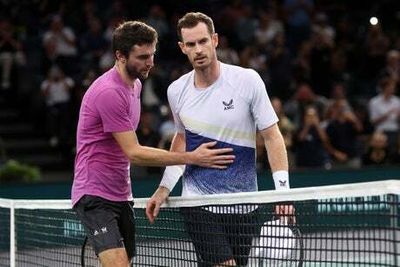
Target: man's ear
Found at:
x=215, y=39
x=120, y=57
x=182, y=46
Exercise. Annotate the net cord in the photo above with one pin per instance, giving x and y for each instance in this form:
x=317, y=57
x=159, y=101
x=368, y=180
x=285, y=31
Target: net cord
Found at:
x=272, y=196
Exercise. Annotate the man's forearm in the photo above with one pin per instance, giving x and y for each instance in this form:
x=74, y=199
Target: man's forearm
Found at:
x=149, y=156
x=173, y=173
x=277, y=155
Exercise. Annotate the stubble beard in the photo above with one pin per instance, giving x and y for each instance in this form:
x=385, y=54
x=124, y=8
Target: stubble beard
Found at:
x=133, y=73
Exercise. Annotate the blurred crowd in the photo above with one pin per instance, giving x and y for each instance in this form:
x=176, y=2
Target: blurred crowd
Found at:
x=330, y=73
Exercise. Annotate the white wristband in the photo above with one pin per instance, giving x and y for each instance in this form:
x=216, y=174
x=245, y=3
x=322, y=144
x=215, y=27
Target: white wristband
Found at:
x=171, y=176
x=281, y=180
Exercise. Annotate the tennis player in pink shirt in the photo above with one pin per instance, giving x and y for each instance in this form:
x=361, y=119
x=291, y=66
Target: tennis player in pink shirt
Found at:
x=107, y=145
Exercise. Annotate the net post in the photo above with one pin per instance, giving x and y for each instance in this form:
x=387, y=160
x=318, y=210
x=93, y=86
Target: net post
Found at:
x=394, y=223
x=12, y=234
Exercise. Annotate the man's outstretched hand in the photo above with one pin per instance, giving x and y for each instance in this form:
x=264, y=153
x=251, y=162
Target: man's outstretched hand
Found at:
x=154, y=203
x=208, y=157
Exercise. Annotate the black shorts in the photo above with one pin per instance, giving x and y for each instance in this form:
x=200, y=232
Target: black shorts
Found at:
x=220, y=237
x=108, y=224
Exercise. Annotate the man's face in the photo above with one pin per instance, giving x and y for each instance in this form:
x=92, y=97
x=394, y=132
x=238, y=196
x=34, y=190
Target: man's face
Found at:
x=140, y=61
x=199, y=45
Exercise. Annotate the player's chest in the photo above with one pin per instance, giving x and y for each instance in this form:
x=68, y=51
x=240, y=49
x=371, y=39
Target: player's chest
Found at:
x=216, y=108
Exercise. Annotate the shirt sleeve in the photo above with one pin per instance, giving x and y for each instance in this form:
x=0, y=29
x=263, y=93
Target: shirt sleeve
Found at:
x=261, y=107
x=114, y=112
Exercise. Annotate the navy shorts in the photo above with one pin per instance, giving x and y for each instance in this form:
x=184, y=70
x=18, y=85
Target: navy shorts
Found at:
x=108, y=224
x=220, y=237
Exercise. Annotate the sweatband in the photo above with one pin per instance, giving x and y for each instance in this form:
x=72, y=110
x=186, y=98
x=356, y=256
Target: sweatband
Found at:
x=281, y=180
x=171, y=176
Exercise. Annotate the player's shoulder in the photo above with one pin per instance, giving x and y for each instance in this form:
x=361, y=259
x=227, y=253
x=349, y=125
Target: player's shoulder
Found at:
x=233, y=72
x=181, y=82
x=106, y=86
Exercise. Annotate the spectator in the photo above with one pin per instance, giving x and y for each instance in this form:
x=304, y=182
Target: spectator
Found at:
x=303, y=97
x=56, y=89
x=392, y=67
x=60, y=47
x=10, y=52
x=377, y=150
x=267, y=28
x=321, y=26
x=384, y=110
x=311, y=142
x=337, y=94
x=343, y=130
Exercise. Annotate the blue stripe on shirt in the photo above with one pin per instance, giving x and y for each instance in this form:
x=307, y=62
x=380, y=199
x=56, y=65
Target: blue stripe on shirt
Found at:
x=240, y=176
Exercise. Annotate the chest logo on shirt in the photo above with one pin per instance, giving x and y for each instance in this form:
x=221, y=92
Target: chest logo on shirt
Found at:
x=228, y=105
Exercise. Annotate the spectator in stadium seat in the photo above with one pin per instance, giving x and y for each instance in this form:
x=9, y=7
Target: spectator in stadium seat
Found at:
x=392, y=67
x=312, y=147
x=384, y=110
x=57, y=92
x=107, y=144
x=343, y=130
x=11, y=53
x=60, y=46
x=226, y=103
x=377, y=150
x=267, y=28
x=302, y=98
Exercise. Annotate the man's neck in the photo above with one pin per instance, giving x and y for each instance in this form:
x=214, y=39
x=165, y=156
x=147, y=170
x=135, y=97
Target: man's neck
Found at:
x=203, y=78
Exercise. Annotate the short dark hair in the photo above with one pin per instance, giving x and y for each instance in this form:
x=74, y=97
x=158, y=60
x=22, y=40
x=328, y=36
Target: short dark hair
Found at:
x=191, y=19
x=130, y=33
x=385, y=81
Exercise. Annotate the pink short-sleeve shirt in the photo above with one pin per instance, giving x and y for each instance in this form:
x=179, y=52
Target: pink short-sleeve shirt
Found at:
x=101, y=167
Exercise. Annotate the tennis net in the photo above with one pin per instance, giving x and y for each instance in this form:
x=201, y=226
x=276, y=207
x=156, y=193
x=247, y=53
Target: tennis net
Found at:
x=340, y=225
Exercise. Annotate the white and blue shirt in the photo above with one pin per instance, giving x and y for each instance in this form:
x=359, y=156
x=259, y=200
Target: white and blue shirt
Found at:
x=229, y=112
